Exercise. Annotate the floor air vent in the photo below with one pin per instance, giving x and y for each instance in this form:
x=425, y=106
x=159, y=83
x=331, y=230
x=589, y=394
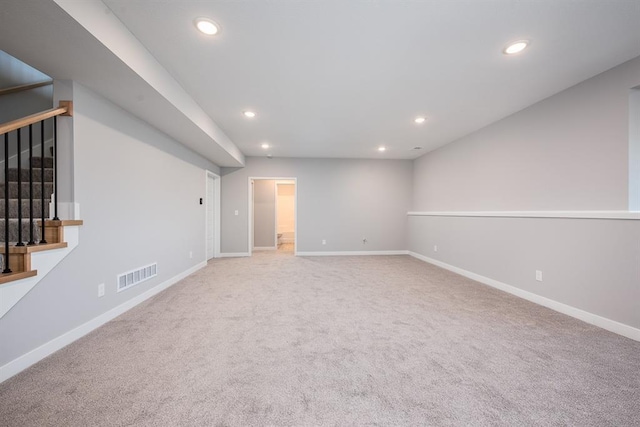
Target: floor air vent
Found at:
x=133, y=277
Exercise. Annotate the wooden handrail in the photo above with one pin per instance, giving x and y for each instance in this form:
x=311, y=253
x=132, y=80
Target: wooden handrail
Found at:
x=65, y=108
x=28, y=86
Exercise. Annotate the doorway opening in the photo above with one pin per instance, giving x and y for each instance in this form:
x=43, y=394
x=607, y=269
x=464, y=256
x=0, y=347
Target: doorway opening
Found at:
x=273, y=215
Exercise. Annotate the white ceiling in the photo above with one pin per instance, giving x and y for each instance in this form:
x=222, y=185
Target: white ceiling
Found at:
x=327, y=78
x=339, y=78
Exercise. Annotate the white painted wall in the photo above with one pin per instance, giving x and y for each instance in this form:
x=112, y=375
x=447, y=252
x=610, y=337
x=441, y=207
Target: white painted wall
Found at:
x=339, y=200
x=139, y=193
x=568, y=152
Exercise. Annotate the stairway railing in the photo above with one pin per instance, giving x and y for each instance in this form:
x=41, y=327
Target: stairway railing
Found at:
x=18, y=128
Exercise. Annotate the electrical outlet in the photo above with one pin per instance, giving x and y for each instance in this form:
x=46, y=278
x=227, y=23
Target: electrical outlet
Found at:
x=101, y=290
x=236, y=212
x=539, y=275
x=324, y=242
x=435, y=248
x=190, y=254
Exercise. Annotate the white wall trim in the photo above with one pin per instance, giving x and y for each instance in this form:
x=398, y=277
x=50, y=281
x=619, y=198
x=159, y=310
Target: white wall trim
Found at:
x=23, y=362
x=352, y=253
x=234, y=254
x=633, y=215
x=585, y=316
x=265, y=248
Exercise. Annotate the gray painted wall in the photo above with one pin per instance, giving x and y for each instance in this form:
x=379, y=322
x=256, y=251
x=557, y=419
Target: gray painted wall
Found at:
x=339, y=200
x=568, y=152
x=138, y=192
x=593, y=265
x=264, y=213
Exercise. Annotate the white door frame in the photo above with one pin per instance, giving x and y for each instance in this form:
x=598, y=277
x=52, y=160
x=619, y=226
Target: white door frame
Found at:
x=216, y=214
x=250, y=210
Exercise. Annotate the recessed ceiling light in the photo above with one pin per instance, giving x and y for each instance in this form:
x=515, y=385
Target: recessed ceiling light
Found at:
x=419, y=120
x=265, y=145
x=381, y=149
x=249, y=114
x=207, y=26
x=515, y=47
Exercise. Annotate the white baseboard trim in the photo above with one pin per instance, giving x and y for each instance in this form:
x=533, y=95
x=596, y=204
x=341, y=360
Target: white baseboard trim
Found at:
x=23, y=362
x=265, y=248
x=352, y=253
x=234, y=255
x=585, y=316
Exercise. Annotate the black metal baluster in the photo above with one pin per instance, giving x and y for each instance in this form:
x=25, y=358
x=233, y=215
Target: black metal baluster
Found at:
x=31, y=195
x=20, y=243
x=55, y=168
x=42, y=237
x=6, y=204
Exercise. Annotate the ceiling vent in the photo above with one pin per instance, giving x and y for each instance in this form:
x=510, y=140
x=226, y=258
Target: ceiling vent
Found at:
x=133, y=277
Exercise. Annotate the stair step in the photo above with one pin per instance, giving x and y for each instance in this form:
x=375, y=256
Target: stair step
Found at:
x=28, y=249
x=13, y=208
x=37, y=161
x=20, y=256
x=10, y=277
x=13, y=230
x=37, y=174
x=37, y=190
x=17, y=255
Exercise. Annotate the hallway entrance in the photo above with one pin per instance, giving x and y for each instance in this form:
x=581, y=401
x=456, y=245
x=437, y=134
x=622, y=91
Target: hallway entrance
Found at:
x=272, y=219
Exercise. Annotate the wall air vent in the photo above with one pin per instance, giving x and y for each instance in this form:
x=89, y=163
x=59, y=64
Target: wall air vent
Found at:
x=139, y=275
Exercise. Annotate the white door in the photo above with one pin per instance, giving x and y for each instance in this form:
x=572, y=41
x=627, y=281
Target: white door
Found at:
x=211, y=219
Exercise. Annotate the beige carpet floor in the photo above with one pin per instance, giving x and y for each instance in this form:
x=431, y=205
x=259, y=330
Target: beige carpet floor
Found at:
x=332, y=341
